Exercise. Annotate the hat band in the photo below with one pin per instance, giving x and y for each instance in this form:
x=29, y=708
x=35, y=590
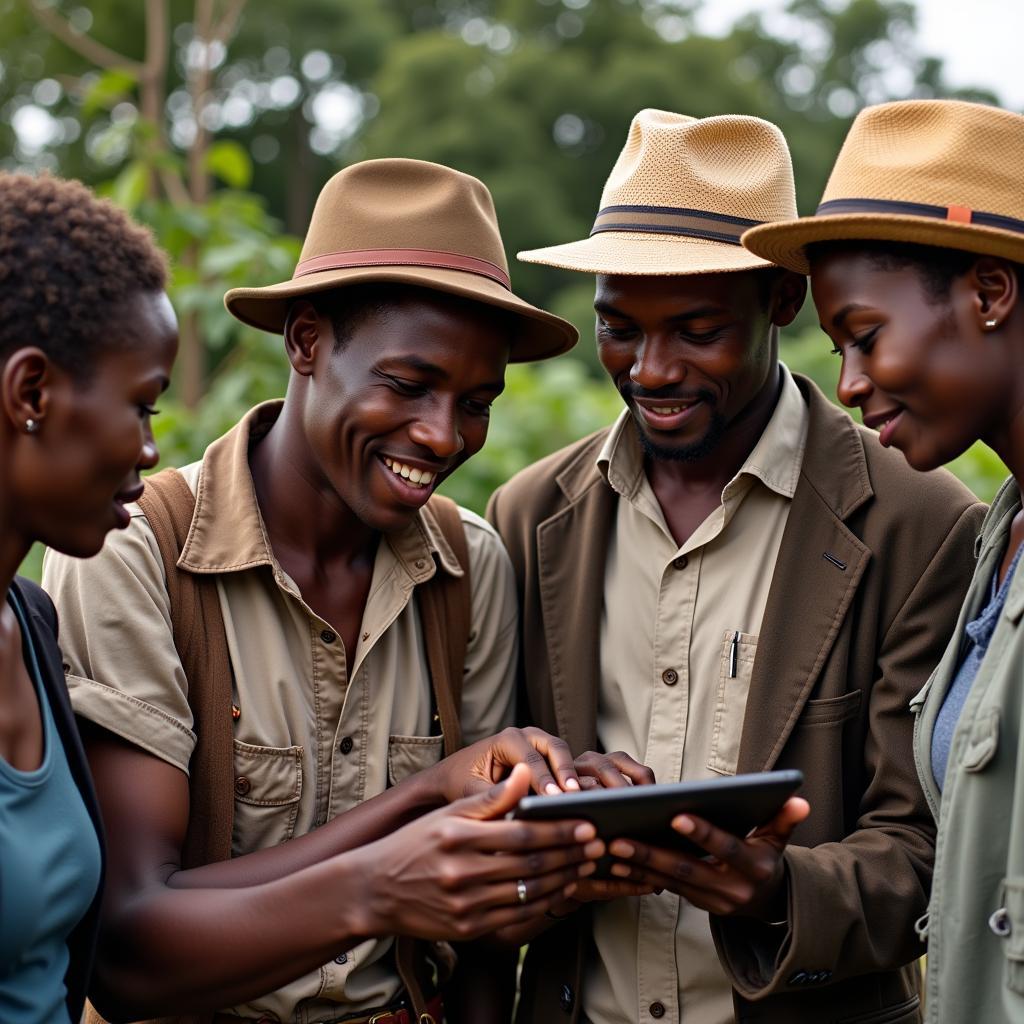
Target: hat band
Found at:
x=403, y=258
x=673, y=220
x=957, y=214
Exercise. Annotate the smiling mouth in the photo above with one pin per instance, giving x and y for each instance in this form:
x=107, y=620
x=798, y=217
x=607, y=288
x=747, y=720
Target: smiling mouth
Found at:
x=410, y=474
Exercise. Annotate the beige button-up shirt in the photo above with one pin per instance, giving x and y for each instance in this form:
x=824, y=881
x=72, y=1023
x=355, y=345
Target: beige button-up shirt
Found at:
x=678, y=637
x=320, y=729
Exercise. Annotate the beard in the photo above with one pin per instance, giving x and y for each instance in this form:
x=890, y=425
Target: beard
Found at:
x=692, y=452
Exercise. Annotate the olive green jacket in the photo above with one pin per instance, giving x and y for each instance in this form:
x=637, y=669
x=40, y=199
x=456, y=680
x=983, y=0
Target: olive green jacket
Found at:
x=847, y=639
x=975, y=925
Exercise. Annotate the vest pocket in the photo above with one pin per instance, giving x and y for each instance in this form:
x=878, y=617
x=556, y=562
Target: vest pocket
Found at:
x=268, y=786
x=736, y=667
x=983, y=743
x=1007, y=923
x=408, y=755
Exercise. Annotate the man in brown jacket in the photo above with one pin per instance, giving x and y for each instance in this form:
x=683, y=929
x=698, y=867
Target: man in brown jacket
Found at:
x=733, y=578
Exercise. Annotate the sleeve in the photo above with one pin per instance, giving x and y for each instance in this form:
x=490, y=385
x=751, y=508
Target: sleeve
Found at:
x=122, y=669
x=488, y=686
x=852, y=903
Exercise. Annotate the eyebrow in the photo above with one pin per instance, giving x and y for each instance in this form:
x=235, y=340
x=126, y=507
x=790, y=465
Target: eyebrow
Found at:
x=605, y=308
x=839, y=319
x=423, y=366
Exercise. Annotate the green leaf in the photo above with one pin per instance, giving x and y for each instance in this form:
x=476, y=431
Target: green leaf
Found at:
x=129, y=187
x=107, y=90
x=230, y=162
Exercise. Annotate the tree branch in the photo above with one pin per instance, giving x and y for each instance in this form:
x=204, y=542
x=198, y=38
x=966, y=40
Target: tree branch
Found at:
x=226, y=26
x=81, y=43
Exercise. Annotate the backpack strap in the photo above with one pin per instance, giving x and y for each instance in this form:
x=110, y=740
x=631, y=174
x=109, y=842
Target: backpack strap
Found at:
x=445, y=611
x=198, y=626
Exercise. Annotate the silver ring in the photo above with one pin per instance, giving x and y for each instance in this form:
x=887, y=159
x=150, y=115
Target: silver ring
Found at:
x=521, y=891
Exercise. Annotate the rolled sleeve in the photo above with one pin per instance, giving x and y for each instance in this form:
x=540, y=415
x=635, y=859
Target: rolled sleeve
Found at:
x=122, y=668
x=488, y=686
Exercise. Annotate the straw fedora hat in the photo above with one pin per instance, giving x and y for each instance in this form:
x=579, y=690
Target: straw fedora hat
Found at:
x=935, y=172
x=680, y=195
x=410, y=222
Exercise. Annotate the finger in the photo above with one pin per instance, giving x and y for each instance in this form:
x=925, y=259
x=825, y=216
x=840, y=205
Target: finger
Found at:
x=558, y=756
x=496, y=801
x=745, y=857
x=602, y=768
x=505, y=916
x=524, y=891
x=582, y=857
x=781, y=827
x=639, y=774
x=509, y=837
x=592, y=890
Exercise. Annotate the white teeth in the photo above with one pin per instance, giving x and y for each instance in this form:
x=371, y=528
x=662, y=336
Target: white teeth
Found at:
x=415, y=476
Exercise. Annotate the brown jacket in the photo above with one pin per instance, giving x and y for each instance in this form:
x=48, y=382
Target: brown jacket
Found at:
x=874, y=564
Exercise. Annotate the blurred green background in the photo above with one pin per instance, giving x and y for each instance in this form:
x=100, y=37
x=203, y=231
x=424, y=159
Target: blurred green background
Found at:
x=217, y=122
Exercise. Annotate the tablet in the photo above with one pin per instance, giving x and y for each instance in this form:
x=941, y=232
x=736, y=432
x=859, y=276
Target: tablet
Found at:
x=736, y=803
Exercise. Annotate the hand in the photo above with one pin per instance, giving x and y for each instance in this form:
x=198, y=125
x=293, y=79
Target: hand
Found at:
x=742, y=876
x=476, y=768
x=454, y=873
x=611, y=771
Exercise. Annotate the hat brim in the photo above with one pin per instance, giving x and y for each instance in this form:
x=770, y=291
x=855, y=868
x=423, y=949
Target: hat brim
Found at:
x=539, y=334
x=644, y=253
x=784, y=242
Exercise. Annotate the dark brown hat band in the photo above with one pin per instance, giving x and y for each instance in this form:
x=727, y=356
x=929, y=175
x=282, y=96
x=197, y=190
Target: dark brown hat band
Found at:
x=673, y=220
x=957, y=214
x=403, y=257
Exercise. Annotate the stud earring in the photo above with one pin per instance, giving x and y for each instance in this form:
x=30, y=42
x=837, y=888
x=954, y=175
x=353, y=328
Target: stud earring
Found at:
x=991, y=323
x=31, y=426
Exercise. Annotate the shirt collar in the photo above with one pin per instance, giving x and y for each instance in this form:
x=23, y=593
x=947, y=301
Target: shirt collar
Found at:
x=228, y=533
x=775, y=460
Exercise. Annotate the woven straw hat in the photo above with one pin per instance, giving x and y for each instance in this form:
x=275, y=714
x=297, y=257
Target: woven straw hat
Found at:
x=680, y=195
x=935, y=172
x=414, y=223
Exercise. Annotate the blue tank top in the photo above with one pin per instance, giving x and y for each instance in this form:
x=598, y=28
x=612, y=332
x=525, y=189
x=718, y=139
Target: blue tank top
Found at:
x=49, y=870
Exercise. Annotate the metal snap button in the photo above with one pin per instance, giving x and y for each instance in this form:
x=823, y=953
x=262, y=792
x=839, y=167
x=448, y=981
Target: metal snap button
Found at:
x=328, y=637
x=670, y=677
x=681, y=562
x=999, y=922
x=657, y=1009
x=242, y=785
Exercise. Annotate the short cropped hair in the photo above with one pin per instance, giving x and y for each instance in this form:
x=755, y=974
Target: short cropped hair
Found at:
x=67, y=259
x=936, y=267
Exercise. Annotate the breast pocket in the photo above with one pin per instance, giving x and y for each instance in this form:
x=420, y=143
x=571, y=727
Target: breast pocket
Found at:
x=408, y=755
x=268, y=786
x=735, y=669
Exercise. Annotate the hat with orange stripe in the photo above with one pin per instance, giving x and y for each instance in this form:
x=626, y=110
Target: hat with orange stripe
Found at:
x=933, y=172
x=680, y=195
x=410, y=222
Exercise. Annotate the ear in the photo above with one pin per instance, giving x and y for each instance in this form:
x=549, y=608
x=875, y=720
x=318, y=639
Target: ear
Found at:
x=26, y=386
x=994, y=291
x=302, y=335
x=788, y=294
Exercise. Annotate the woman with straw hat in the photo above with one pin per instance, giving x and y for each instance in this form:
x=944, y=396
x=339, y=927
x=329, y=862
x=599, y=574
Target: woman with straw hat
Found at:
x=915, y=256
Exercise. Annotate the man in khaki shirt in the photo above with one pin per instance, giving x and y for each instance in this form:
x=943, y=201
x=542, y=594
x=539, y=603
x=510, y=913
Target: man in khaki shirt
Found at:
x=732, y=578
x=312, y=516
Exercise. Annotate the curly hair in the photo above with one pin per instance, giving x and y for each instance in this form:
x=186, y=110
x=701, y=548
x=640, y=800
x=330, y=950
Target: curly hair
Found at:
x=67, y=260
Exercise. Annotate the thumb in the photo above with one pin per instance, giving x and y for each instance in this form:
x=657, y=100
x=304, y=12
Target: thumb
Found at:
x=794, y=810
x=497, y=801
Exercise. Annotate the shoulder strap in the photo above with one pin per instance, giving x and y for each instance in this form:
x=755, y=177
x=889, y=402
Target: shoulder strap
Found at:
x=198, y=625
x=444, y=604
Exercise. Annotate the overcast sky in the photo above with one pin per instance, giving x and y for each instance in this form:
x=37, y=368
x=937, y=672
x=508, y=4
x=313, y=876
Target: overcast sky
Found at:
x=979, y=41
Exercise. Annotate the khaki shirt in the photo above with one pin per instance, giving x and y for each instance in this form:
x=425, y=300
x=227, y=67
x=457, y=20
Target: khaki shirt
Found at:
x=319, y=730
x=679, y=632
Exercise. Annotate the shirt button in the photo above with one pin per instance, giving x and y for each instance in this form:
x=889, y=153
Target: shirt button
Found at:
x=341, y=958
x=346, y=745
x=657, y=1009
x=420, y=563
x=328, y=637
x=681, y=562
x=242, y=785
x=670, y=677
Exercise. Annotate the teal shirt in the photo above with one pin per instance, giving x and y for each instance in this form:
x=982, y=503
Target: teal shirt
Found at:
x=49, y=871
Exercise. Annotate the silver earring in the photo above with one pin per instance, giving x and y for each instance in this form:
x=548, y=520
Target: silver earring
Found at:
x=991, y=323
x=31, y=426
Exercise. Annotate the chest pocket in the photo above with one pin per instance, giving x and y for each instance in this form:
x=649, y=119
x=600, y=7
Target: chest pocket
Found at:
x=408, y=755
x=735, y=668
x=268, y=786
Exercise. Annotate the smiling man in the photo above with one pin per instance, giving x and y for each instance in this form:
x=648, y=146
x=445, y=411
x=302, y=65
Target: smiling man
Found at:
x=733, y=578
x=315, y=520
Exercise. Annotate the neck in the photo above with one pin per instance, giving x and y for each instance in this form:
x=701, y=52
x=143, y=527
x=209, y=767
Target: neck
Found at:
x=304, y=516
x=1007, y=436
x=714, y=470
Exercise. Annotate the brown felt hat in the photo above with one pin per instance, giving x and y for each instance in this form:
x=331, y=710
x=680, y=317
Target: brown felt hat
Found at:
x=933, y=172
x=410, y=222
x=680, y=195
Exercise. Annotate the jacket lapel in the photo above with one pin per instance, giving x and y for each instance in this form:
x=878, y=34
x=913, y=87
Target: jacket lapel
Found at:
x=571, y=564
x=819, y=567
